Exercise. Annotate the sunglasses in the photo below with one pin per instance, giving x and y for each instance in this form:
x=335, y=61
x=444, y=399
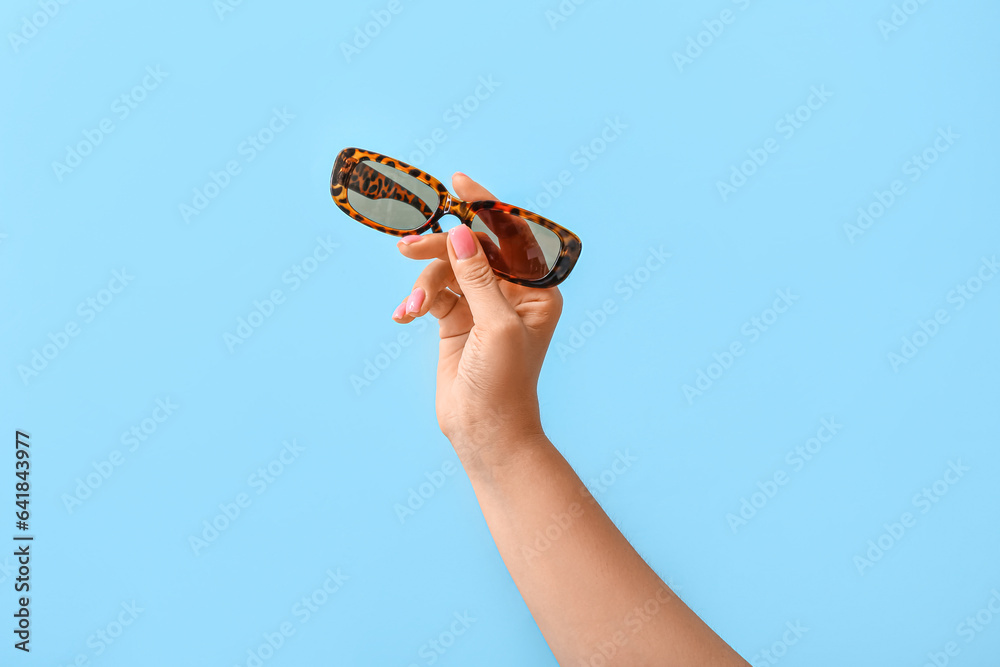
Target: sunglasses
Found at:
x=395, y=198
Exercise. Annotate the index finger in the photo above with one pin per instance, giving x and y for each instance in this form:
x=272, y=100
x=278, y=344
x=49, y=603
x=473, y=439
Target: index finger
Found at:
x=428, y=247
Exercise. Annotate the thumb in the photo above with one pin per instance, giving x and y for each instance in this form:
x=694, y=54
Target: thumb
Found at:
x=476, y=278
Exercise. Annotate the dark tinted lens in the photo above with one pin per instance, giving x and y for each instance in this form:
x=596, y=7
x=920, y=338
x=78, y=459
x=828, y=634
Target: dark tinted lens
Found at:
x=516, y=246
x=390, y=197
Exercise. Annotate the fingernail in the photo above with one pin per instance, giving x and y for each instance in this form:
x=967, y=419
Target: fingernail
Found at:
x=398, y=313
x=458, y=173
x=462, y=241
x=415, y=301
x=412, y=238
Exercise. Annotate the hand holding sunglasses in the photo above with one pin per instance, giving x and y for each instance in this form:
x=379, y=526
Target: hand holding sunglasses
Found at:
x=393, y=197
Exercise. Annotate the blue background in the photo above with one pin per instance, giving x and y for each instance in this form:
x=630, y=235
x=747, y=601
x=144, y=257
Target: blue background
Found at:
x=606, y=390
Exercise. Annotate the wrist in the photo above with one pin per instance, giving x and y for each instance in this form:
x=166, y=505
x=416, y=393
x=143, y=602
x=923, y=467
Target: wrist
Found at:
x=490, y=446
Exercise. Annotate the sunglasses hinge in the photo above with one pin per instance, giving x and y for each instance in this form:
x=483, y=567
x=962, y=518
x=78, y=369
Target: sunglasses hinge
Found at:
x=345, y=171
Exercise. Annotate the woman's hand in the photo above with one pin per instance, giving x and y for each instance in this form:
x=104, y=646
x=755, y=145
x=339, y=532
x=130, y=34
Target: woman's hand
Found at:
x=585, y=585
x=494, y=335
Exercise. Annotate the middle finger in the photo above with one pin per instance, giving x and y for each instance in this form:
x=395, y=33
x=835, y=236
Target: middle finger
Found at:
x=437, y=295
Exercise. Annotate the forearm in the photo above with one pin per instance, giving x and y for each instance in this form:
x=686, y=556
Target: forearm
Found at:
x=588, y=590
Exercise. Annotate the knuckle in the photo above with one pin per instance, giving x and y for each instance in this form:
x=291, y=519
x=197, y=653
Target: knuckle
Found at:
x=477, y=275
x=555, y=301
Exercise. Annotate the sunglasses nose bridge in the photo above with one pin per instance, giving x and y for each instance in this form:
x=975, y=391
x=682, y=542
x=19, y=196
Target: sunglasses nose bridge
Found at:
x=458, y=208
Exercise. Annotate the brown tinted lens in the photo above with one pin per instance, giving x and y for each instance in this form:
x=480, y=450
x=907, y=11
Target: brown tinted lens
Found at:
x=389, y=196
x=518, y=247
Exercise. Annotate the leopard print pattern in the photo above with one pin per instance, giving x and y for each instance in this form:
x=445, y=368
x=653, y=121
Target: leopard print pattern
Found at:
x=374, y=184
x=344, y=178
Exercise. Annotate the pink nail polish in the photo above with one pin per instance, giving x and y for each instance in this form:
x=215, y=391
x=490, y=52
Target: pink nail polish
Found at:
x=415, y=301
x=462, y=241
x=412, y=238
x=398, y=313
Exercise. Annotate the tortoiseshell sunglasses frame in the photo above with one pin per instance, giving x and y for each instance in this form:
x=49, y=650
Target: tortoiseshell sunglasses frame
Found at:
x=465, y=211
